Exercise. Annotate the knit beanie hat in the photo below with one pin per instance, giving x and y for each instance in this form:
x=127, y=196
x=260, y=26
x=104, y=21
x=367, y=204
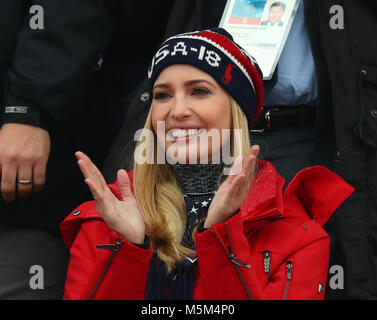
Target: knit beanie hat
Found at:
x=215, y=52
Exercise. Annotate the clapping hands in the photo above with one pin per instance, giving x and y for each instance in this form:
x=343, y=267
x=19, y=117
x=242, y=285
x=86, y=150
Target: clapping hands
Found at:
x=234, y=190
x=123, y=215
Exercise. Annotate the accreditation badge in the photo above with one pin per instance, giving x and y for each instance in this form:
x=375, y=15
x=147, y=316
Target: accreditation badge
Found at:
x=261, y=27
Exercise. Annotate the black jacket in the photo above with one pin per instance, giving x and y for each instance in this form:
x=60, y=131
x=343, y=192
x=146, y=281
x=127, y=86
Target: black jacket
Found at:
x=346, y=66
x=71, y=75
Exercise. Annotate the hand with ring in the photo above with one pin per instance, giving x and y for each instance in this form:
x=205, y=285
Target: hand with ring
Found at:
x=25, y=182
x=24, y=152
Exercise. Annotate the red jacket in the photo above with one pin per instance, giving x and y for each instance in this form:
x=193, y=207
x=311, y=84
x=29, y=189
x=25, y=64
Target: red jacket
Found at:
x=273, y=248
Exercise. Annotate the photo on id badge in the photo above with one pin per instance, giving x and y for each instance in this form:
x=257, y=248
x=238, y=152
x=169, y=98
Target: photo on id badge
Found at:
x=247, y=12
x=258, y=12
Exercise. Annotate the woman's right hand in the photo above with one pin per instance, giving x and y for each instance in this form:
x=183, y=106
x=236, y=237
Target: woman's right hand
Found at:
x=124, y=215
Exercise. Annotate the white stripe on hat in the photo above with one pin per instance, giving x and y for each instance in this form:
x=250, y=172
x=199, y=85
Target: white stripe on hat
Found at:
x=226, y=52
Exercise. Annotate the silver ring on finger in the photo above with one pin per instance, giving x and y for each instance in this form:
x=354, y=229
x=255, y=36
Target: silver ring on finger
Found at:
x=25, y=182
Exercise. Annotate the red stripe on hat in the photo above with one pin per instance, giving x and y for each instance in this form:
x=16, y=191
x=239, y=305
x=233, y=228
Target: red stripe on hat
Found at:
x=232, y=48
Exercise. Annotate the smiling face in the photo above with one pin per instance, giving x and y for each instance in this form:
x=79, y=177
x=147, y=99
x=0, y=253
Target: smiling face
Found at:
x=194, y=109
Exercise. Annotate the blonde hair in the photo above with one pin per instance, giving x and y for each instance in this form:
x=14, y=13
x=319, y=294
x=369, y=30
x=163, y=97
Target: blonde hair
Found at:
x=161, y=201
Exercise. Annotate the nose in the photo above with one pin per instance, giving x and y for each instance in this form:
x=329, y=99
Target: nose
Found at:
x=180, y=109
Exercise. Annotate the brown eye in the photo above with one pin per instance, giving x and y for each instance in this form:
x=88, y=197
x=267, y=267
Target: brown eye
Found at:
x=161, y=96
x=200, y=92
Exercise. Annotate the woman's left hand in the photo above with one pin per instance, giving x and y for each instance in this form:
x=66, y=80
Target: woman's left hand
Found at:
x=234, y=190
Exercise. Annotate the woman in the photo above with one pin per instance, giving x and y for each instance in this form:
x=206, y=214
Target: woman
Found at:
x=180, y=227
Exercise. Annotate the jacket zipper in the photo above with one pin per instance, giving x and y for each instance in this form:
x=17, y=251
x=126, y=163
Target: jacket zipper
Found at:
x=267, y=263
x=289, y=276
x=232, y=257
x=114, y=247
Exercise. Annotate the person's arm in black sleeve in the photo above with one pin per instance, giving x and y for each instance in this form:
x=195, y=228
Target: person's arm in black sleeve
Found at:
x=11, y=17
x=51, y=66
x=45, y=84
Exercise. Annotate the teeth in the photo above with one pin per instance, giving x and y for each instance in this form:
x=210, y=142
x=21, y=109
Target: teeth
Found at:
x=181, y=133
x=191, y=132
